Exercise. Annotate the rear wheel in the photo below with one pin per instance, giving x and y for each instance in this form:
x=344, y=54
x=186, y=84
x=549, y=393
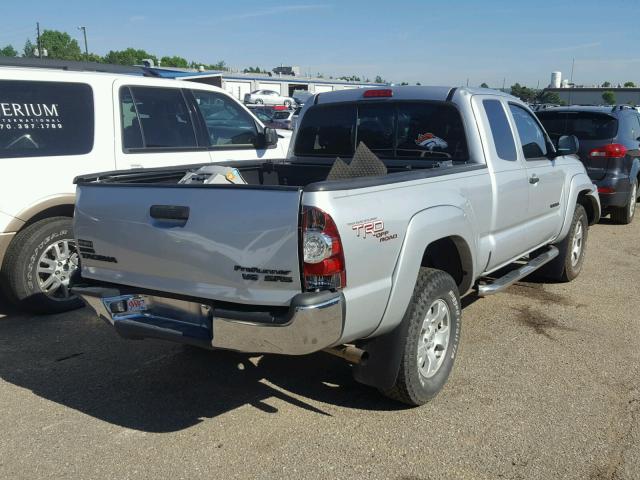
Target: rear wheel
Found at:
x=624, y=215
x=38, y=266
x=432, y=338
x=287, y=103
x=258, y=101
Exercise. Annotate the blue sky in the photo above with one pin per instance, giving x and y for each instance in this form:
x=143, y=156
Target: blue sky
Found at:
x=433, y=42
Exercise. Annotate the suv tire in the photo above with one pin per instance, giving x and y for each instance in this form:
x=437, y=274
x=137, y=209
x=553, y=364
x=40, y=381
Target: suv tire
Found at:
x=432, y=339
x=624, y=215
x=41, y=256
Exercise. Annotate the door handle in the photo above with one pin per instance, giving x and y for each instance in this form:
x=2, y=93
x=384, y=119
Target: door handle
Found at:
x=533, y=179
x=169, y=212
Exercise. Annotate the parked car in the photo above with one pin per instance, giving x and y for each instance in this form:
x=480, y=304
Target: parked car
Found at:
x=609, y=148
x=268, y=97
x=283, y=119
x=55, y=125
x=367, y=259
x=295, y=117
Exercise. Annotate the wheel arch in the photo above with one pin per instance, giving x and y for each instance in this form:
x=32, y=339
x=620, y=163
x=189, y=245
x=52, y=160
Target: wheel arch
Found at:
x=56, y=206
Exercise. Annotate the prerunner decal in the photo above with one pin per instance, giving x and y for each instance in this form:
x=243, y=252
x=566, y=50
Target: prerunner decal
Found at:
x=430, y=141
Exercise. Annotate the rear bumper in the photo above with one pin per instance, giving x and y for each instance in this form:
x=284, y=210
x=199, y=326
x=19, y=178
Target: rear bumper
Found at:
x=312, y=322
x=614, y=191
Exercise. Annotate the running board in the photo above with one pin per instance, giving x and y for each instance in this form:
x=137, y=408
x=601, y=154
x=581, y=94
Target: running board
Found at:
x=513, y=276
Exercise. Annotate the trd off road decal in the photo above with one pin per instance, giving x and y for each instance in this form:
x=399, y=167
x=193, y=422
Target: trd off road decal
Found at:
x=430, y=141
x=29, y=116
x=372, y=228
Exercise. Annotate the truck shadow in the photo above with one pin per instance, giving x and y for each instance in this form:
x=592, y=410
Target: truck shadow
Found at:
x=79, y=362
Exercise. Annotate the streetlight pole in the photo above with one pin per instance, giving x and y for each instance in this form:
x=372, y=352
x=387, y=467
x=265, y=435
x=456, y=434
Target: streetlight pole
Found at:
x=86, y=49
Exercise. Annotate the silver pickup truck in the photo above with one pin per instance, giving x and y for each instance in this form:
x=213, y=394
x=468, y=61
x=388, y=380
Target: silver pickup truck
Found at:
x=436, y=192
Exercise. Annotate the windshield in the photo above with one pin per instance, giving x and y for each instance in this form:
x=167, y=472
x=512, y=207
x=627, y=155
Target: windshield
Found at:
x=584, y=125
x=394, y=130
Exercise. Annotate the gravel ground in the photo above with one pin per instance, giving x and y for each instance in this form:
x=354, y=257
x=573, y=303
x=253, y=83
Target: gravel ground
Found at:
x=547, y=385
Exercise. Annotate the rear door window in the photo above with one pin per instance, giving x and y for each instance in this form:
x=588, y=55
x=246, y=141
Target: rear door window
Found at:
x=45, y=119
x=393, y=130
x=500, y=130
x=227, y=122
x=160, y=114
x=532, y=137
x=584, y=125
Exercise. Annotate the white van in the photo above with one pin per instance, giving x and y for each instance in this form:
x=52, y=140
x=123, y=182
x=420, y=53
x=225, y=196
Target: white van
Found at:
x=55, y=125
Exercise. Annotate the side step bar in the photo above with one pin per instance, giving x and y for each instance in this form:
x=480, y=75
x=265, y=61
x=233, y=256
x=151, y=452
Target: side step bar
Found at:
x=513, y=276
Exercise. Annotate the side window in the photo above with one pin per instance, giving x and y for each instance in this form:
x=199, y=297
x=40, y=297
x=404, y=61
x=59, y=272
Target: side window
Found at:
x=227, y=122
x=45, y=118
x=160, y=114
x=638, y=127
x=131, y=132
x=531, y=135
x=500, y=130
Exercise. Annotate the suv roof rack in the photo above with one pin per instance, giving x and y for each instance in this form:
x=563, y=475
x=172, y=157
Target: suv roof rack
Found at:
x=621, y=107
x=75, y=66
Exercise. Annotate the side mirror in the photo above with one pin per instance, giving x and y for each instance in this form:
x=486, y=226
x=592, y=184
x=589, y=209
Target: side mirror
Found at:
x=568, y=145
x=270, y=137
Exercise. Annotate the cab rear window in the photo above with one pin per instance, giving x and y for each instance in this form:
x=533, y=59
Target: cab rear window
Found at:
x=40, y=119
x=584, y=125
x=393, y=130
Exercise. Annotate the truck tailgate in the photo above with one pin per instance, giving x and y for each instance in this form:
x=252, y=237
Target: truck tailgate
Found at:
x=229, y=244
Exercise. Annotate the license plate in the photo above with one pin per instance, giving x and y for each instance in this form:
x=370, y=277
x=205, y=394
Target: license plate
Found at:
x=136, y=305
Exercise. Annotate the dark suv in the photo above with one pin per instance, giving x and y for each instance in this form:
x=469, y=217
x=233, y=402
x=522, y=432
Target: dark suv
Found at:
x=609, y=148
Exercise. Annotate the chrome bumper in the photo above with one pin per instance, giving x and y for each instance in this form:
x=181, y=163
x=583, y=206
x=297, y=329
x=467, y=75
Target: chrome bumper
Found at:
x=313, y=321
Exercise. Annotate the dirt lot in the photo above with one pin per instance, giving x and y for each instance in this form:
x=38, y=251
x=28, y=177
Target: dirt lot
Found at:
x=547, y=386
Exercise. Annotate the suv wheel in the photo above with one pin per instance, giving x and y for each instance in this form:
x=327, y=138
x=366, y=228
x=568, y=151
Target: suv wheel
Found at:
x=287, y=103
x=38, y=266
x=624, y=215
x=432, y=338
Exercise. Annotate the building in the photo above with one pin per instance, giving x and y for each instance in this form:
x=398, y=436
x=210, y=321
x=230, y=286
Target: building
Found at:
x=593, y=95
x=239, y=84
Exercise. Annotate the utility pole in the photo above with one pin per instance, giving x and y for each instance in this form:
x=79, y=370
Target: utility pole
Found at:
x=573, y=63
x=504, y=80
x=39, y=45
x=86, y=49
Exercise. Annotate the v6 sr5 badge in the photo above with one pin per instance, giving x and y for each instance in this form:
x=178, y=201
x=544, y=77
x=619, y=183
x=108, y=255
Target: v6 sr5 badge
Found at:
x=372, y=228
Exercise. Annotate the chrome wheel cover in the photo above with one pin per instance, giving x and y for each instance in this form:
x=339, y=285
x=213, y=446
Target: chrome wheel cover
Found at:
x=578, y=241
x=54, y=269
x=434, y=338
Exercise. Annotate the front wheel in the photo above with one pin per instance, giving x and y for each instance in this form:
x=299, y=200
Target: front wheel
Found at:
x=434, y=321
x=38, y=266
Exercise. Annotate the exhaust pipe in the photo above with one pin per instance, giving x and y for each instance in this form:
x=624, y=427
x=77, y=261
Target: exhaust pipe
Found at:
x=350, y=353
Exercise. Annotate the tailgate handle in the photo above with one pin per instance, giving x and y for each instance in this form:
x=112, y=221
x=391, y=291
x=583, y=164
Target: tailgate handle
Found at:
x=169, y=212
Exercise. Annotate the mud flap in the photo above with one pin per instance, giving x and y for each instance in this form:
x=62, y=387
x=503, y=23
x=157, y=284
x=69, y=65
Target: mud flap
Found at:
x=384, y=357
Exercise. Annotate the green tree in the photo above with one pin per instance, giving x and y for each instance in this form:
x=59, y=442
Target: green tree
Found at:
x=93, y=57
x=606, y=84
x=60, y=45
x=379, y=79
x=549, y=97
x=129, y=56
x=8, y=51
x=484, y=85
x=174, y=61
x=404, y=83
x=350, y=78
x=418, y=83
x=609, y=97
x=29, y=49
x=629, y=85
x=525, y=94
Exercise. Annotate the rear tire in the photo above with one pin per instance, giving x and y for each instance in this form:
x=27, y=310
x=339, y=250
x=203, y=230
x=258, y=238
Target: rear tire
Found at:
x=287, y=103
x=37, y=267
x=258, y=101
x=433, y=335
x=624, y=215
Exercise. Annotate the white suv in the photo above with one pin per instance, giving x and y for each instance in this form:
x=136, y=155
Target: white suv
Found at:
x=55, y=125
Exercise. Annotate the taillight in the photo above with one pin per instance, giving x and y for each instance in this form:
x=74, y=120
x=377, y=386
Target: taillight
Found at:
x=378, y=93
x=323, y=258
x=606, y=190
x=612, y=150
